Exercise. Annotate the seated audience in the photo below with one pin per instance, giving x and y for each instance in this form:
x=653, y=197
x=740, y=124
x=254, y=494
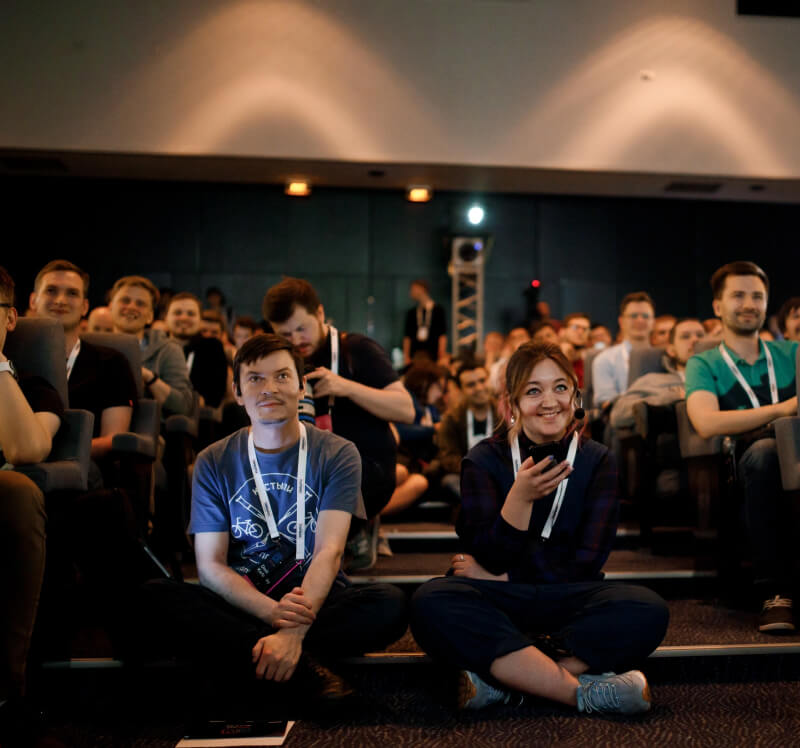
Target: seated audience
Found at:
x=271, y=588
x=738, y=389
x=31, y=415
x=243, y=329
x=424, y=383
x=661, y=388
x=206, y=362
x=662, y=325
x=600, y=336
x=713, y=327
x=610, y=368
x=526, y=610
x=463, y=427
x=788, y=319
x=492, y=348
x=356, y=395
x=215, y=302
x=544, y=332
x=212, y=325
x=100, y=320
x=574, y=341
x=99, y=378
x=133, y=299
x=515, y=339
x=425, y=328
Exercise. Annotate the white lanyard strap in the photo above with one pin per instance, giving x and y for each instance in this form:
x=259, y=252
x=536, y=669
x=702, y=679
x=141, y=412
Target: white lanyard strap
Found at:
x=773, y=384
x=334, y=349
x=424, y=315
x=189, y=362
x=261, y=489
x=76, y=349
x=562, y=487
x=472, y=439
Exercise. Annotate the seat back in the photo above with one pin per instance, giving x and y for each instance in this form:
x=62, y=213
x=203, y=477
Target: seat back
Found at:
x=128, y=346
x=588, y=390
x=36, y=346
x=645, y=361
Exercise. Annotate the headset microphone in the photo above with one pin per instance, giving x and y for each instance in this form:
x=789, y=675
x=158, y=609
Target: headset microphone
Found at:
x=580, y=413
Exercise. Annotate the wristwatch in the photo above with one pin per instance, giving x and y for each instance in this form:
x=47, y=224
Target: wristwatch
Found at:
x=9, y=367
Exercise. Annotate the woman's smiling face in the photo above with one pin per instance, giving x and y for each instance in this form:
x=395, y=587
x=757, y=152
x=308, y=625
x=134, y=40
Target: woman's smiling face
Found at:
x=546, y=403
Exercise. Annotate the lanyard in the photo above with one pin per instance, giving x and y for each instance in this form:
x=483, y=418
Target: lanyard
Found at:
x=472, y=440
x=189, y=362
x=424, y=315
x=76, y=349
x=261, y=489
x=562, y=487
x=773, y=385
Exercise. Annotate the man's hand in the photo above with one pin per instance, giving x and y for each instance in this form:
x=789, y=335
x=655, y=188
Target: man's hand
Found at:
x=276, y=656
x=328, y=383
x=533, y=483
x=465, y=565
x=294, y=609
x=147, y=375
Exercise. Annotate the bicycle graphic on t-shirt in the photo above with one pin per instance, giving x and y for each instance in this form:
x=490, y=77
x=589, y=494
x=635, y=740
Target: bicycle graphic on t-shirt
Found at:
x=247, y=528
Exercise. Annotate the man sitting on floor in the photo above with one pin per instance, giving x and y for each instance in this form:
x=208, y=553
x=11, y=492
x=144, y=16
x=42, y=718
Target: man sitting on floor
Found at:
x=271, y=586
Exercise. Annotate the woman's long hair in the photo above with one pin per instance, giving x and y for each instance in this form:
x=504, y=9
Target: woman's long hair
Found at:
x=518, y=372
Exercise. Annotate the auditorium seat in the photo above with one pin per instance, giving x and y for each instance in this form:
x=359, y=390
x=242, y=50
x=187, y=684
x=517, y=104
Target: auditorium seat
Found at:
x=787, y=435
x=36, y=346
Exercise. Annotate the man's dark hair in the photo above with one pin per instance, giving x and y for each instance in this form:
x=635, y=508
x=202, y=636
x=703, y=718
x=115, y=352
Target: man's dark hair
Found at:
x=260, y=346
x=422, y=283
x=634, y=297
x=469, y=363
x=218, y=291
x=741, y=267
x=537, y=327
x=576, y=315
x=6, y=286
x=419, y=378
x=138, y=281
x=185, y=295
x=55, y=266
x=786, y=309
x=282, y=298
x=210, y=315
x=680, y=322
x=248, y=322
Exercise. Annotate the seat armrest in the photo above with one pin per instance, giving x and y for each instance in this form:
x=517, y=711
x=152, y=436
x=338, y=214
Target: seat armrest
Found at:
x=691, y=443
x=67, y=467
x=787, y=436
x=178, y=424
x=129, y=443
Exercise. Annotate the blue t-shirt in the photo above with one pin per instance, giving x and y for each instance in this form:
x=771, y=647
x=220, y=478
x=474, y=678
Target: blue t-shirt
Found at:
x=225, y=499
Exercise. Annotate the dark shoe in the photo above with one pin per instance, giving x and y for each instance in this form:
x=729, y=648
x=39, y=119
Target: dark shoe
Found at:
x=776, y=615
x=362, y=548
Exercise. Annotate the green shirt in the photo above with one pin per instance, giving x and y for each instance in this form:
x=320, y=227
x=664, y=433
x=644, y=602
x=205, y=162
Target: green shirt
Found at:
x=708, y=371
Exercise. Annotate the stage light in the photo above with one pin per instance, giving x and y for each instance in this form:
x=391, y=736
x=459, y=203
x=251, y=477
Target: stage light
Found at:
x=419, y=193
x=298, y=188
x=475, y=215
x=535, y=283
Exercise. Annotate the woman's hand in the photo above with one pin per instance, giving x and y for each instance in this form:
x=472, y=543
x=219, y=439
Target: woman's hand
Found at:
x=535, y=481
x=465, y=565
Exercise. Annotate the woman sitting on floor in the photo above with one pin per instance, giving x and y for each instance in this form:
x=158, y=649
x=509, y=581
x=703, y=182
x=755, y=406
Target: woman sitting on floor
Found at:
x=526, y=609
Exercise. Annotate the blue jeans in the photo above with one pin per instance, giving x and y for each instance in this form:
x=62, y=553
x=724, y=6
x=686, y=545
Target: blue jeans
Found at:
x=769, y=517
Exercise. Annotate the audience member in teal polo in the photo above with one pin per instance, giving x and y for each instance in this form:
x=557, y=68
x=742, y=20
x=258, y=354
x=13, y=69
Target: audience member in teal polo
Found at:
x=738, y=389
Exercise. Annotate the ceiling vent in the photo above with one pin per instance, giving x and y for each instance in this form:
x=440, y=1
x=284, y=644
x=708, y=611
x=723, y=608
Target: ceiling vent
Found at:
x=694, y=188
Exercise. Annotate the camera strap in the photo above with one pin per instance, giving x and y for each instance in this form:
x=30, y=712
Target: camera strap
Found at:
x=73, y=355
x=261, y=489
x=562, y=487
x=472, y=439
x=773, y=384
x=189, y=362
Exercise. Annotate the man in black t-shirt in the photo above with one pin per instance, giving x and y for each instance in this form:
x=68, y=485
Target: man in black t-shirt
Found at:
x=32, y=412
x=206, y=361
x=426, y=325
x=356, y=395
x=99, y=378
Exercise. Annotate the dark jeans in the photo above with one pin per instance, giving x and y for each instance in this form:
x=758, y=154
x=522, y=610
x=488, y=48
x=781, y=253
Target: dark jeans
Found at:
x=22, y=553
x=769, y=516
x=197, y=625
x=469, y=623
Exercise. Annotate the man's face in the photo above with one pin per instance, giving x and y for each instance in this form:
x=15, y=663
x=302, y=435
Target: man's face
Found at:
x=303, y=330
x=131, y=309
x=183, y=318
x=793, y=324
x=687, y=334
x=516, y=338
x=475, y=387
x=417, y=293
x=100, y=320
x=546, y=334
x=270, y=388
x=576, y=333
x=8, y=320
x=636, y=321
x=210, y=328
x=60, y=297
x=600, y=334
x=742, y=307
x=661, y=330
x=241, y=335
